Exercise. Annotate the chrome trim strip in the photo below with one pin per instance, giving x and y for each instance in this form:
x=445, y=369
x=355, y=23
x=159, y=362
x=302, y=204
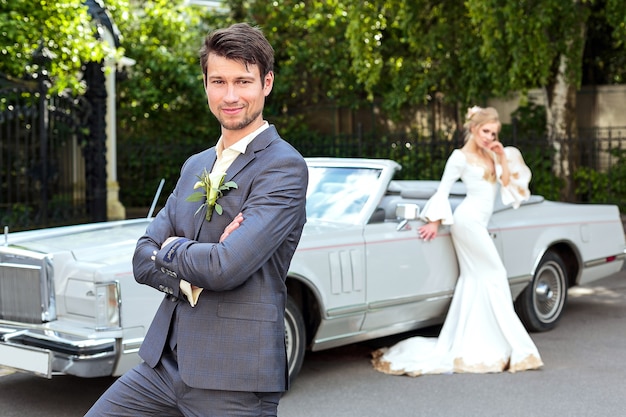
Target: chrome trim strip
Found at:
x=355, y=337
x=343, y=311
x=131, y=345
x=602, y=261
x=409, y=300
x=80, y=357
x=524, y=279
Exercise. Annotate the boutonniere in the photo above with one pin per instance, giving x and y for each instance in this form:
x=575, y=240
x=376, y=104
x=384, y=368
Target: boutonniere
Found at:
x=212, y=188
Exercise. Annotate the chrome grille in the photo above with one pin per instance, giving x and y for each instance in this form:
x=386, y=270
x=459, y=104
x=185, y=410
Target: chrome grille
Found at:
x=26, y=286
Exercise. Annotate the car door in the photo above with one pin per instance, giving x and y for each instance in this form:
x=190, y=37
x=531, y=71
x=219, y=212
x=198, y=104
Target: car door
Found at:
x=409, y=281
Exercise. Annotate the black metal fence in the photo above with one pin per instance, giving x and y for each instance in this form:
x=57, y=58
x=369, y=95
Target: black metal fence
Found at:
x=42, y=169
x=595, y=162
x=592, y=166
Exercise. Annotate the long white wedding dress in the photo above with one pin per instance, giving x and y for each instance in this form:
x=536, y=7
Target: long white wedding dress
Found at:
x=482, y=332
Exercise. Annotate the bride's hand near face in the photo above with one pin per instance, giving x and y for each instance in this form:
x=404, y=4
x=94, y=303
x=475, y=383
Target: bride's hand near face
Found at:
x=497, y=148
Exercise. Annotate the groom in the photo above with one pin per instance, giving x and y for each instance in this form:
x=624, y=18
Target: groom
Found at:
x=216, y=346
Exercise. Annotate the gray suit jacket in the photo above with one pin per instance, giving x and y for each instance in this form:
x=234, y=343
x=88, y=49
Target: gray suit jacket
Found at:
x=234, y=338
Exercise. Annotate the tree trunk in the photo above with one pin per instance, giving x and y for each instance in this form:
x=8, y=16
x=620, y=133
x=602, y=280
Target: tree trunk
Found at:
x=562, y=127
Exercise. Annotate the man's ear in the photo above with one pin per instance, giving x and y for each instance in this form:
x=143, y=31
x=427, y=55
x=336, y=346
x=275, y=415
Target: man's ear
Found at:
x=268, y=83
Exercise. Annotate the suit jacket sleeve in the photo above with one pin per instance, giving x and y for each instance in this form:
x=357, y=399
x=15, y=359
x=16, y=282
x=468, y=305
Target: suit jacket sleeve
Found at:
x=162, y=227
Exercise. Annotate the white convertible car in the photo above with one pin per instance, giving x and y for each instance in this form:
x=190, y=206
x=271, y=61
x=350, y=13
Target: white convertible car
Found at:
x=69, y=303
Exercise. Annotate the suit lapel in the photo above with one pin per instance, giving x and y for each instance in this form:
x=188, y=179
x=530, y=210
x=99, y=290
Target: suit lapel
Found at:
x=259, y=143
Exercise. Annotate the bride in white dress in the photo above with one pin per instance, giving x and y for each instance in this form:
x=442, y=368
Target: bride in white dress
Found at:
x=482, y=332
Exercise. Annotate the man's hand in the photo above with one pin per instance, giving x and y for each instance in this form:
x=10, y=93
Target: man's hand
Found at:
x=232, y=227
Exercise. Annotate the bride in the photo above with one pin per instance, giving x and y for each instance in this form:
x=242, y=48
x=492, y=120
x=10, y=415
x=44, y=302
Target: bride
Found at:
x=482, y=332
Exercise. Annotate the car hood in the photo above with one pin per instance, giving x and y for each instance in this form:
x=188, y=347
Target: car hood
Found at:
x=104, y=243
x=111, y=242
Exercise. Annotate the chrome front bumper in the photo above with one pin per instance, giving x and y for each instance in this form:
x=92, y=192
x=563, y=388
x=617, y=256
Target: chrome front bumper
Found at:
x=46, y=353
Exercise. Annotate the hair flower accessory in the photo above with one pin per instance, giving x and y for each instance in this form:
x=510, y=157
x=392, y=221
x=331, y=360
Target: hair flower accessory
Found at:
x=472, y=111
x=213, y=187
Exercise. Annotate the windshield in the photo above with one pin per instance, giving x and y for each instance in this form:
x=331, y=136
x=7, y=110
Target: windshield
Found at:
x=339, y=194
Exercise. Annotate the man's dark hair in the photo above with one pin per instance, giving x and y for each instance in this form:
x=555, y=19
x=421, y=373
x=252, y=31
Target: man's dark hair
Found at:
x=240, y=42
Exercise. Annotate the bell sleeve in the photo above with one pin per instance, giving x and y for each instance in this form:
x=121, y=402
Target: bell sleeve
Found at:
x=517, y=189
x=438, y=206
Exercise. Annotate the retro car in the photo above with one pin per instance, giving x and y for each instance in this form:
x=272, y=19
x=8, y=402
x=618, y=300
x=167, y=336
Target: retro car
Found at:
x=69, y=303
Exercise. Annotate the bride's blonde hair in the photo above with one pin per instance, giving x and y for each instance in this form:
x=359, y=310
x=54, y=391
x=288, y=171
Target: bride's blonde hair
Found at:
x=478, y=116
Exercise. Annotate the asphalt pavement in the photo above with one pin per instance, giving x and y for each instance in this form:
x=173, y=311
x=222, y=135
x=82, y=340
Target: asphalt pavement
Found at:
x=584, y=373
x=584, y=376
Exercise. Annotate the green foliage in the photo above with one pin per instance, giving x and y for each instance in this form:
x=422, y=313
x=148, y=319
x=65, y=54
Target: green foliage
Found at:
x=19, y=216
x=591, y=185
x=62, y=31
x=421, y=157
x=312, y=65
x=530, y=120
x=408, y=52
x=162, y=112
x=528, y=128
x=616, y=18
x=520, y=41
x=607, y=186
x=540, y=160
x=604, y=59
x=161, y=106
x=399, y=53
x=617, y=179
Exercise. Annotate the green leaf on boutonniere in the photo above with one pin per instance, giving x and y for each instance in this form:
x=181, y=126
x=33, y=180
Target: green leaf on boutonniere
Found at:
x=197, y=196
x=213, y=186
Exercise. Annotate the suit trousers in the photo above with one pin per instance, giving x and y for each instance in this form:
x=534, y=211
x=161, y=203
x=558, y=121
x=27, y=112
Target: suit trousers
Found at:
x=144, y=391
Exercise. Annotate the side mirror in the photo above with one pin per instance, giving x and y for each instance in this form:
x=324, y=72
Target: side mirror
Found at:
x=408, y=211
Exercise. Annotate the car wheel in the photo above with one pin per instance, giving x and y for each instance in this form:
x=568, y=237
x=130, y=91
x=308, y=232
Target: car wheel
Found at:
x=295, y=337
x=541, y=304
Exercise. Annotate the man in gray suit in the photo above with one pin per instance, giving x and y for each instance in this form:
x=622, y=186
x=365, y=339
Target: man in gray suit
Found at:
x=216, y=346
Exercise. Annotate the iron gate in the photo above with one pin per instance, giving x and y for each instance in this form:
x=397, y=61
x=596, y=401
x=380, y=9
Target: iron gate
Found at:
x=42, y=163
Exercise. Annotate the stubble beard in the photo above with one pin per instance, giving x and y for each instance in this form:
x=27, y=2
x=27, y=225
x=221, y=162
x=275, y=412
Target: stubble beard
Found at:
x=239, y=125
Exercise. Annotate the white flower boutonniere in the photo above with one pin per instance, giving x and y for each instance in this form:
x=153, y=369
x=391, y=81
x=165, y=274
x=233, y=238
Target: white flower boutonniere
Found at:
x=213, y=186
